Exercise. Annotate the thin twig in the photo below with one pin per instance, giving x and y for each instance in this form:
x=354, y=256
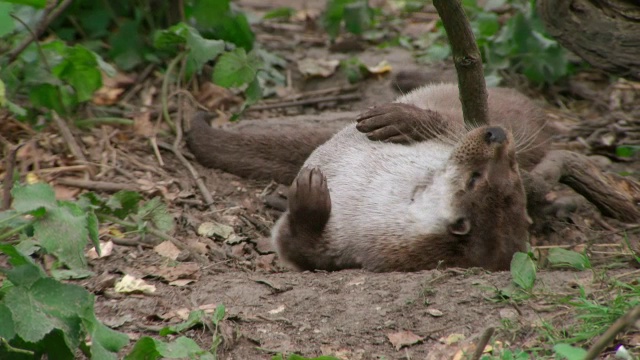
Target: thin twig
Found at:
x=8, y=176
x=72, y=144
x=622, y=323
x=199, y=182
x=345, y=97
x=47, y=17
x=159, y=234
x=96, y=185
x=482, y=343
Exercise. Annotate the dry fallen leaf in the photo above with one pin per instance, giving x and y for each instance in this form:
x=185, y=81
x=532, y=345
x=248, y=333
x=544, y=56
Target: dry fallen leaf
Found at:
x=452, y=338
x=130, y=284
x=167, y=249
x=209, y=229
x=277, y=310
x=106, y=248
x=185, y=271
x=317, y=67
x=380, y=68
x=403, y=338
x=434, y=312
x=215, y=97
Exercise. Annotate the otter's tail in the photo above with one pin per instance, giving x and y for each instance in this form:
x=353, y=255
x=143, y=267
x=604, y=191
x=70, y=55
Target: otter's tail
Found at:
x=267, y=156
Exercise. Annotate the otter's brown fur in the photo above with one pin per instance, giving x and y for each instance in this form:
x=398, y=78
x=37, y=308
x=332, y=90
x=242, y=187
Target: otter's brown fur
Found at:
x=449, y=196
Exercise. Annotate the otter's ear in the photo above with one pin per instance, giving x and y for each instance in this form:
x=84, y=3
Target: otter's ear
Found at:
x=461, y=226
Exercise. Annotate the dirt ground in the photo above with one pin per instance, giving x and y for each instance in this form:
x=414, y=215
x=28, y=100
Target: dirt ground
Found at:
x=351, y=314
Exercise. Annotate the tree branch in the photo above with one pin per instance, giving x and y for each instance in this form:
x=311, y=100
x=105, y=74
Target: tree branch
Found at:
x=468, y=62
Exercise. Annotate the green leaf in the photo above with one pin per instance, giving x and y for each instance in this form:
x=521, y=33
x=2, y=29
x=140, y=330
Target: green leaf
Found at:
x=7, y=329
x=180, y=348
x=279, y=13
x=63, y=232
x=80, y=70
x=127, y=46
x=569, y=352
x=235, y=68
x=34, y=3
x=253, y=93
x=202, y=50
x=144, y=348
x=123, y=203
x=357, y=17
x=216, y=19
x=196, y=317
x=7, y=25
x=523, y=270
x=565, y=258
x=105, y=342
x=27, y=198
x=218, y=314
x=92, y=228
x=627, y=151
x=156, y=212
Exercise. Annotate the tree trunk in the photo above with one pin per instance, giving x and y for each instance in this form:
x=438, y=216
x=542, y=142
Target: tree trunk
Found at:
x=605, y=33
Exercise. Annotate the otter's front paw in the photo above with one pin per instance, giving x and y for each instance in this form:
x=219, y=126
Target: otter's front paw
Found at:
x=309, y=201
x=395, y=122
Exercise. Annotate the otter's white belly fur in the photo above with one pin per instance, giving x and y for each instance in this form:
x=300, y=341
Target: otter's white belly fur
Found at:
x=379, y=190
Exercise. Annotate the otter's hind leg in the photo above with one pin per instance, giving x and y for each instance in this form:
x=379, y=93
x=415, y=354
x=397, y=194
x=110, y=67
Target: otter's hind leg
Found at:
x=298, y=236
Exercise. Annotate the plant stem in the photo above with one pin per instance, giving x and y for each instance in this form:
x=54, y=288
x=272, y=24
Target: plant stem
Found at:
x=16, y=230
x=165, y=90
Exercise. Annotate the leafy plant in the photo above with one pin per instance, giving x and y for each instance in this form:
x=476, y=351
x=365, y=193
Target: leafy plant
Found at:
x=559, y=257
x=62, y=228
x=520, y=45
x=37, y=320
x=355, y=15
x=523, y=271
x=148, y=348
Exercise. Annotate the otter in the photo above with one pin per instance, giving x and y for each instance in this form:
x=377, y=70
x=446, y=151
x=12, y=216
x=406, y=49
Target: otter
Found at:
x=407, y=187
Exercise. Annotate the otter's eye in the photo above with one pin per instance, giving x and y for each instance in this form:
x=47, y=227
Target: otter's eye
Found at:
x=473, y=180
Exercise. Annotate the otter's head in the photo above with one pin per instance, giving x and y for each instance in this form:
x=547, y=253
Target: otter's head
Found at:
x=491, y=221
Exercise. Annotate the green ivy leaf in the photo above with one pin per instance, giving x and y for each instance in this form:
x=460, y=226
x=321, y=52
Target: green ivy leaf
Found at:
x=80, y=70
x=123, y=203
x=181, y=348
x=196, y=317
x=144, y=348
x=92, y=228
x=156, y=211
x=523, y=270
x=565, y=258
x=202, y=50
x=7, y=330
x=63, y=232
x=7, y=25
x=279, y=13
x=357, y=17
x=34, y=3
x=235, y=68
x=569, y=352
x=27, y=198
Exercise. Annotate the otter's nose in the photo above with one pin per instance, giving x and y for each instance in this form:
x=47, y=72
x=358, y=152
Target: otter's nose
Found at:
x=495, y=135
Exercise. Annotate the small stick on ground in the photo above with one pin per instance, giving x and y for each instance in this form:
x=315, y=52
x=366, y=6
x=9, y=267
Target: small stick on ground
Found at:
x=482, y=343
x=627, y=320
x=345, y=97
x=72, y=144
x=194, y=174
x=96, y=185
x=8, y=176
